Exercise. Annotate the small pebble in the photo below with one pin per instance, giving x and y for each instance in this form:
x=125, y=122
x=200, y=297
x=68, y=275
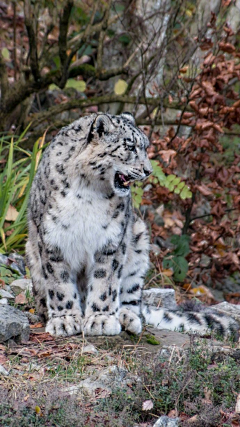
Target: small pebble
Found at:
x=3, y=371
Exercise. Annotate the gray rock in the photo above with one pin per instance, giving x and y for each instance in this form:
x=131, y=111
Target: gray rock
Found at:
x=218, y=294
x=203, y=209
x=13, y=324
x=90, y=349
x=158, y=297
x=33, y=318
x=155, y=249
x=205, y=261
x=147, y=187
x=158, y=220
x=231, y=283
x=14, y=267
x=165, y=421
x=14, y=262
x=3, y=371
x=21, y=285
x=6, y=294
x=17, y=263
x=3, y=259
x=106, y=379
x=163, y=244
x=3, y=301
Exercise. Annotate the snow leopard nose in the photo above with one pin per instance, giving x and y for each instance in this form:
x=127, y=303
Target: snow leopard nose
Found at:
x=147, y=168
x=147, y=172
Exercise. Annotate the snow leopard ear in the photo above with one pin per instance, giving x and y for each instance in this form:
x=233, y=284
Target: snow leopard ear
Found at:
x=129, y=117
x=103, y=124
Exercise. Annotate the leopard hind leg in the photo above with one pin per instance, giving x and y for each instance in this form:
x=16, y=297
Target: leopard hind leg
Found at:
x=135, y=268
x=33, y=260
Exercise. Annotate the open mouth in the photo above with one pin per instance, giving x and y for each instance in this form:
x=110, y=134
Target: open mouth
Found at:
x=122, y=182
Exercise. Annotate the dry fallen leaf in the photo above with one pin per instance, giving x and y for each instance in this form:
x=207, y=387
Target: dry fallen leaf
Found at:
x=202, y=290
x=11, y=214
x=101, y=393
x=38, y=410
x=227, y=47
x=167, y=154
x=45, y=353
x=24, y=352
x=36, y=325
x=2, y=283
x=168, y=272
x=183, y=70
x=204, y=190
x=21, y=299
x=207, y=396
x=147, y=405
x=168, y=222
x=193, y=419
x=40, y=337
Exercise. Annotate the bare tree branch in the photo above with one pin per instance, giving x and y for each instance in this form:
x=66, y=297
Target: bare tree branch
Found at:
x=140, y=58
x=62, y=40
x=33, y=55
x=14, y=41
x=85, y=37
x=102, y=35
x=47, y=32
x=39, y=118
x=3, y=81
x=20, y=90
x=90, y=24
x=107, y=74
x=76, y=42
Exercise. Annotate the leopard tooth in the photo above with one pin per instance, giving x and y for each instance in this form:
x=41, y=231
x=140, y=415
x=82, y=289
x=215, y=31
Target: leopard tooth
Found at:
x=126, y=183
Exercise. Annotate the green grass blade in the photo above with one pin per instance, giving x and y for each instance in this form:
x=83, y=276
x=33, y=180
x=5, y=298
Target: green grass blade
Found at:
x=31, y=176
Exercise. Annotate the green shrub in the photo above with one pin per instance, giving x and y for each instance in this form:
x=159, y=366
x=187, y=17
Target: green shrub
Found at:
x=16, y=176
x=171, y=182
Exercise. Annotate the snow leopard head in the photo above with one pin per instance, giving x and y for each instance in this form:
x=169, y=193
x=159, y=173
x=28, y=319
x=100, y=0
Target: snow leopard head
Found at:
x=119, y=151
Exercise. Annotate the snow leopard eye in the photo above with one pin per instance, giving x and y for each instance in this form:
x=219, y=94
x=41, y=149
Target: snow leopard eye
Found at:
x=132, y=148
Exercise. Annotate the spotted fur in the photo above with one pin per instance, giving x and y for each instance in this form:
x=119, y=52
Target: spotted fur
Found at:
x=87, y=251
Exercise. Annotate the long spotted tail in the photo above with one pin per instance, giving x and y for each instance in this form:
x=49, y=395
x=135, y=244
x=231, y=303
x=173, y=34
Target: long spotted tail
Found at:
x=201, y=323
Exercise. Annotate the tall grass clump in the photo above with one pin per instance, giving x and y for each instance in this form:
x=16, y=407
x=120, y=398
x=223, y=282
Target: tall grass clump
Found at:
x=17, y=169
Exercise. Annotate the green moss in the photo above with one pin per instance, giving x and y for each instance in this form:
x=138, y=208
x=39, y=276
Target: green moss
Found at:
x=152, y=340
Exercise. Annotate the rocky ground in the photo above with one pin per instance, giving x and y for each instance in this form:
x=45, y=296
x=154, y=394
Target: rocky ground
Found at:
x=107, y=373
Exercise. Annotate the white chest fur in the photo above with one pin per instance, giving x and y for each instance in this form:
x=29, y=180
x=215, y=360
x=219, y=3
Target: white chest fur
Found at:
x=82, y=225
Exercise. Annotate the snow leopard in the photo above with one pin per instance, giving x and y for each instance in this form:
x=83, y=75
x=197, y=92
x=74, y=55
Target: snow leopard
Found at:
x=87, y=250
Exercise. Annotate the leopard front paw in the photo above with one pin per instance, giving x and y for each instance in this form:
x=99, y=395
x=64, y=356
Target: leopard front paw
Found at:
x=64, y=325
x=102, y=324
x=130, y=321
